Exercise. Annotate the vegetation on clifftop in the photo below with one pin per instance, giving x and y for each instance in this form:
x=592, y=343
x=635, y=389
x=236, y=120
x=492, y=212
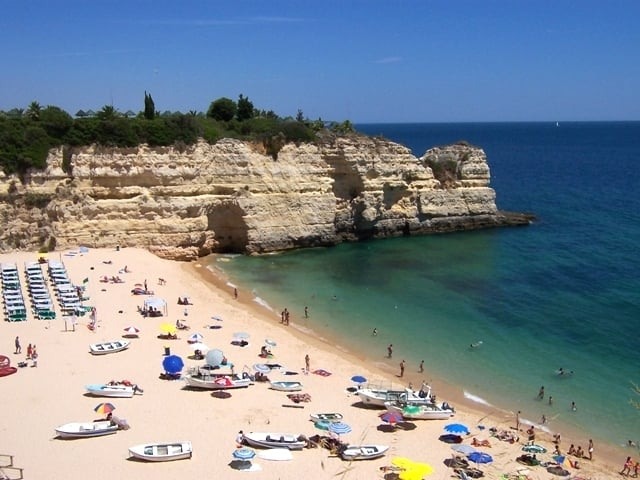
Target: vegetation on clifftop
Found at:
x=27, y=135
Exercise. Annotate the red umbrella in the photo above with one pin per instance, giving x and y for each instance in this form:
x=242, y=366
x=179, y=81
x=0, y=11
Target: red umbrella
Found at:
x=132, y=330
x=391, y=417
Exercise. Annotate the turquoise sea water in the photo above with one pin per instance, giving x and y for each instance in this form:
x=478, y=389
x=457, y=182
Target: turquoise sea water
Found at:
x=563, y=292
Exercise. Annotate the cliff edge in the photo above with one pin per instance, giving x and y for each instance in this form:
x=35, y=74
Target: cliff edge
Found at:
x=182, y=203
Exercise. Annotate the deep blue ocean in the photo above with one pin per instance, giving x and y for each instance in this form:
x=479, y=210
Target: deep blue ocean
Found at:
x=562, y=292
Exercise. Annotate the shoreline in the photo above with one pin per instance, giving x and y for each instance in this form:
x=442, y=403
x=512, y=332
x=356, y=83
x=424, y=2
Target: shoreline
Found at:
x=452, y=393
x=52, y=394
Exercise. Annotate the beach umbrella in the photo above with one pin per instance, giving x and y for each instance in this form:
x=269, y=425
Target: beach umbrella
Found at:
x=243, y=454
x=358, y=379
x=168, y=328
x=132, y=330
x=214, y=357
x=456, y=428
x=339, y=428
x=261, y=367
x=411, y=470
x=104, y=408
x=270, y=343
x=195, y=338
x=534, y=449
x=172, y=364
x=241, y=335
x=463, y=448
x=480, y=457
x=199, y=346
x=391, y=417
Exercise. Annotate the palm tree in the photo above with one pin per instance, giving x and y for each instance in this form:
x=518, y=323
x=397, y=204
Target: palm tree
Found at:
x=108, y=112
x=33, y=111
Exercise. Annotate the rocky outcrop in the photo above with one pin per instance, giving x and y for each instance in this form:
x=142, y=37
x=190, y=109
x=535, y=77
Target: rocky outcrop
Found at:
x=232, y=197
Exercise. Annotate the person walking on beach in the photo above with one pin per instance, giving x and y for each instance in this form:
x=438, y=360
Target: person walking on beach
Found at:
x=421, y=367
x=402, y=369
x=390, y=350
x=518, y=420
x=306, y=312
x=307, y=362
x=590, y=449
x=626, y=469
x=29, y=351
x=18, y=346
x=235, y=293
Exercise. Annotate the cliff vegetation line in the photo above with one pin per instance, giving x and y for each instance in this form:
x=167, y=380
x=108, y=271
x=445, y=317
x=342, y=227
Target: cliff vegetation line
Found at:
x=27, y=135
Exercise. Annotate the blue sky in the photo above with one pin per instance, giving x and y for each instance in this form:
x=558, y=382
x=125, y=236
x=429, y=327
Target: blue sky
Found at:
x=362, y=60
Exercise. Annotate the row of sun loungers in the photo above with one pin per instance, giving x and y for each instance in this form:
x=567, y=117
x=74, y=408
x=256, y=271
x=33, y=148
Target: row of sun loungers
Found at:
x=43, y=308
x=68, y=295
x=15, y=309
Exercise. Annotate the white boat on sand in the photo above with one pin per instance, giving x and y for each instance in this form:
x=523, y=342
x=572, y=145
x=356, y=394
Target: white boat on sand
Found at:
x=326, y=417
x=275, y=440
x=162, y=452
x=86, y=429
x=108, y=347
x=429, y=411
x=113, y=390
x=205, y=381
x=286, y=386
x=376, y=397
x=363, y=452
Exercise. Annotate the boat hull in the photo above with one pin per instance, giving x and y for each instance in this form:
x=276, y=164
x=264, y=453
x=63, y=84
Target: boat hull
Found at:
x=377, y=398
x=162, y=452
x=363, y=452
x=215, y=383
x=274, y=440
x=108, y=347
x=422, y=412
x=286, y=386
x=112, y=391
x=326, y=417
x=86, y=429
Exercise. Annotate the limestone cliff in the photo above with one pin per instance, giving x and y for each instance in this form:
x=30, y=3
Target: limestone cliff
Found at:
x=231, y=196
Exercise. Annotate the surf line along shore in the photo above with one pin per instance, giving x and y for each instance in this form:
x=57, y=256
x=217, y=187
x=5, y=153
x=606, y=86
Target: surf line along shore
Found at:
x=166, y=411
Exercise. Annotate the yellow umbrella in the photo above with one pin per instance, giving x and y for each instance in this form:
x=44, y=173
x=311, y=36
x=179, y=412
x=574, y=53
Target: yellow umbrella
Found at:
x=167, y=328
x=412, y=470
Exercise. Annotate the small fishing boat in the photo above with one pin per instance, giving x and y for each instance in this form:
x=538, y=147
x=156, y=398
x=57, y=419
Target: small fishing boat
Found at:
x=429, y=411
x=108, y=347
x=86, y=429
x=112, y=390
x=363, y=452
x=275, y=440
x=286, y=386
x=205, y=381
x=326, y=417
x=162, y=452
x=376, y=397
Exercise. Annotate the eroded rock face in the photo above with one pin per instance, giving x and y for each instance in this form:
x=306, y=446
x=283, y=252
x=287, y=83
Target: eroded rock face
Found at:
x=230, y=196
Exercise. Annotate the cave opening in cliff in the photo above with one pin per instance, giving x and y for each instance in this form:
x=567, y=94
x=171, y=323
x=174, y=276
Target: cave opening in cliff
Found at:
x=227, y=222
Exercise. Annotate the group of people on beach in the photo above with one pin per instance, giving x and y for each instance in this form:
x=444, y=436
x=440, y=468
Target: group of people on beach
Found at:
x=284, y=317
x=32, y=353
x=629, y=464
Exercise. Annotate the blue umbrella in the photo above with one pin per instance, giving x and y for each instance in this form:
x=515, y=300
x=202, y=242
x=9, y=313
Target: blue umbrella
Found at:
x=172, y=364
x=480, y=457
x=339, y=428
x=244, y=454
x=457, y=428
x=358, y=379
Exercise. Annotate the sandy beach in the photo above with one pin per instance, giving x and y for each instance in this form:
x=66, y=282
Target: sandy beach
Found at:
x=35, y=400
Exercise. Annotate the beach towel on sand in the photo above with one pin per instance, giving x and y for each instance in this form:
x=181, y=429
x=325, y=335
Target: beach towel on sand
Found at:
x=322, y=373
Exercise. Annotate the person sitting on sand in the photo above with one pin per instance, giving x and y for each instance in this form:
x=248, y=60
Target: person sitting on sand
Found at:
x=480, y=443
